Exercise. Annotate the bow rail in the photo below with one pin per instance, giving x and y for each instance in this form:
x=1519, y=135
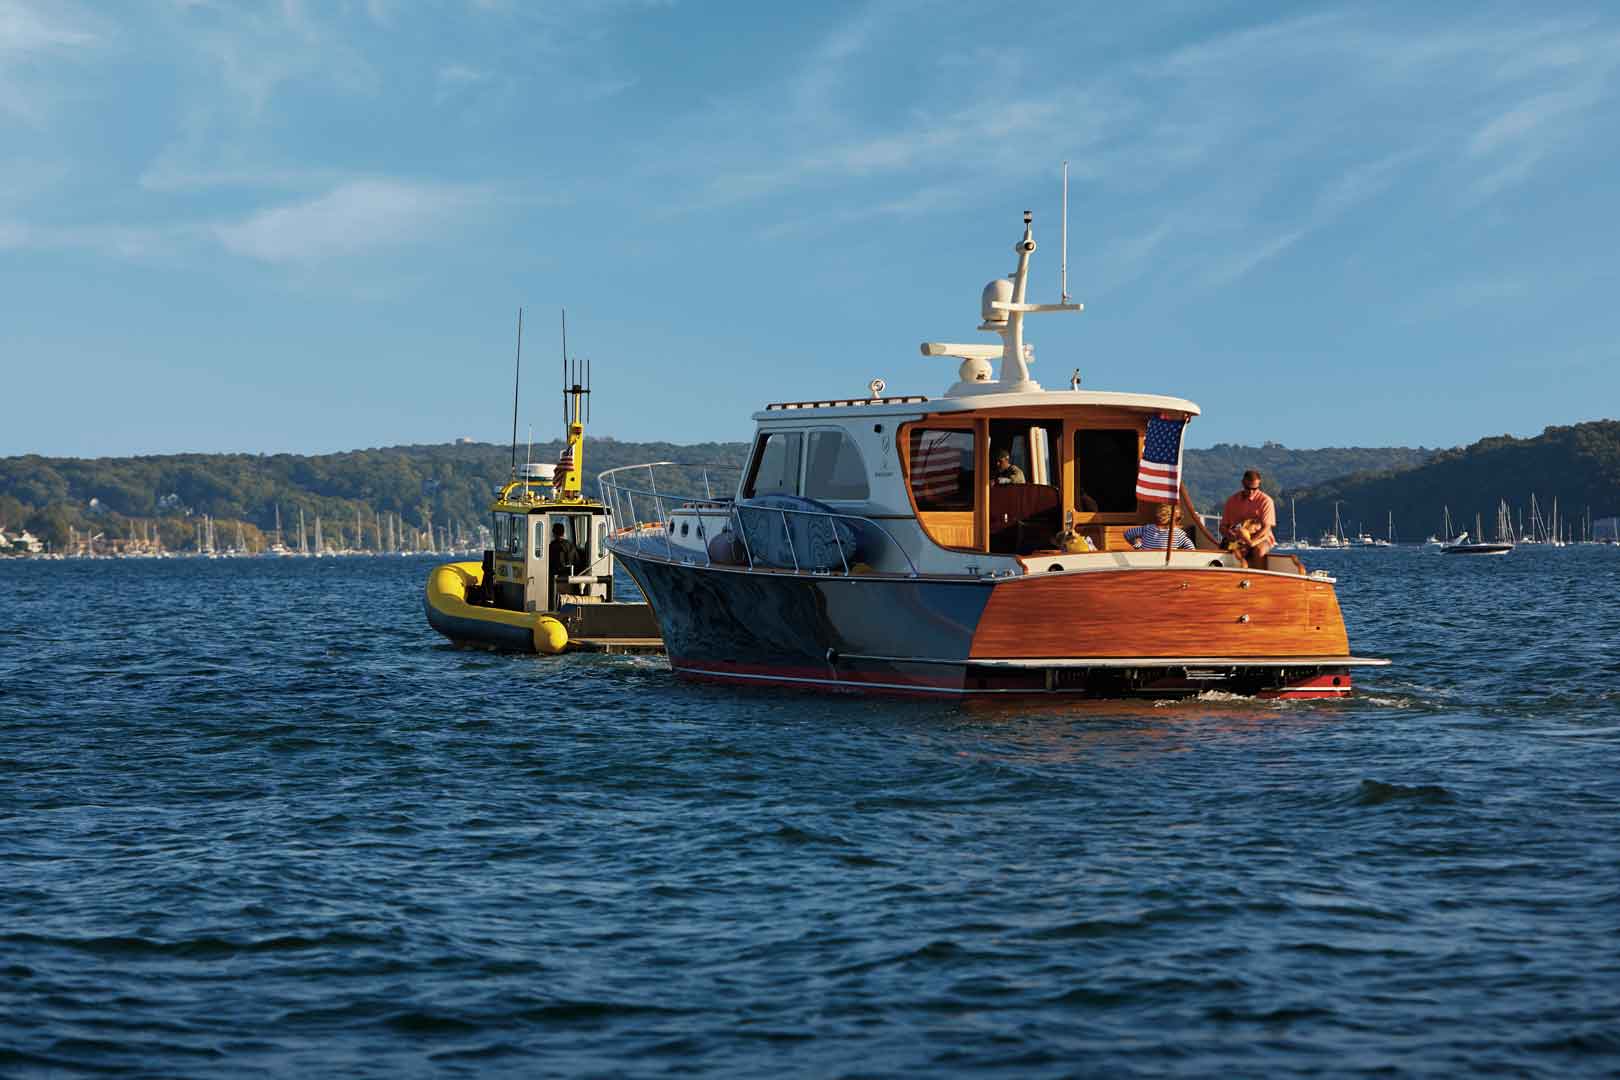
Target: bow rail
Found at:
x=644, y=514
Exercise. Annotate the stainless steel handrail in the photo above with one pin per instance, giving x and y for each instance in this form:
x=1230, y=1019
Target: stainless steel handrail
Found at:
x=632, y=533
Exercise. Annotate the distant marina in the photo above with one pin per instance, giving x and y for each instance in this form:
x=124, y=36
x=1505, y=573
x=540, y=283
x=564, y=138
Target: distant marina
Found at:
x=384, y=534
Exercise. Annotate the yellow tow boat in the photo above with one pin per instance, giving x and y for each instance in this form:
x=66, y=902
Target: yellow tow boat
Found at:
x=547, y=584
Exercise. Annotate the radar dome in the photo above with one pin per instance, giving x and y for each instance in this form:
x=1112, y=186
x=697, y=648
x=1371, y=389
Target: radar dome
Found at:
x=974, y=371
x=999, y=289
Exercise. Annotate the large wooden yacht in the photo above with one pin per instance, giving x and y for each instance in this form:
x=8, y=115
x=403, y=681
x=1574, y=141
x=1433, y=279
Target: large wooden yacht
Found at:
x=973, y=543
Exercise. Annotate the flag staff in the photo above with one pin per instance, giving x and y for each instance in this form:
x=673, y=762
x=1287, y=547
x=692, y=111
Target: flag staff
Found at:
x=1175, y=507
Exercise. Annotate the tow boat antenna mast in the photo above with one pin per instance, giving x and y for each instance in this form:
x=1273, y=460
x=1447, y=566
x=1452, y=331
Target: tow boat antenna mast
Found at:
x=517, y=377
x=576, y=387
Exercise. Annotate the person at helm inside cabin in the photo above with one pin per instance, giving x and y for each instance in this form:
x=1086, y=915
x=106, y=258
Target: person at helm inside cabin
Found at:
x=563, y=553
x=1003, y=471
x=1248, y=520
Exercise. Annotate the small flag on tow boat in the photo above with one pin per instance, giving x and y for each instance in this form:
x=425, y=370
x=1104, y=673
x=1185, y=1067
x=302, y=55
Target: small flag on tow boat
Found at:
x=1160, y=477
x=565, y=460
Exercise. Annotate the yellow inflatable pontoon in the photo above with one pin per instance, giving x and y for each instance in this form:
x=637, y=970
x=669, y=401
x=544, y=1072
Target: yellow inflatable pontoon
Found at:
x=448, y=612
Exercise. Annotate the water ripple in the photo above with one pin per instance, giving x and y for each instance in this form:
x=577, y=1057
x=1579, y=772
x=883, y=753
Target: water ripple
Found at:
x=253, y=826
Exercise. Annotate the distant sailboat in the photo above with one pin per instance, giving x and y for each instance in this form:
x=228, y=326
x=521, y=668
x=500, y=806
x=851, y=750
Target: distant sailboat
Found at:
x=1335, y=539
x=1294, y=542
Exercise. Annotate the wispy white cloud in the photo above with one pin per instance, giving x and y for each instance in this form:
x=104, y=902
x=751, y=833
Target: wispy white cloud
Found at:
x=254, y=52
x=172, y=176
x=1529, y=119
x=453, y=79
x=357, y=218
x=1230, y=270
x=25, y=28
x=30, y=37
x=122, y=242
x=928, y=200
x=1454, y=299
x=1259, y=136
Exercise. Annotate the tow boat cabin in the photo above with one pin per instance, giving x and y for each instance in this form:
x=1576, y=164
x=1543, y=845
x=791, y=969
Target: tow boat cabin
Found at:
x=524, y=518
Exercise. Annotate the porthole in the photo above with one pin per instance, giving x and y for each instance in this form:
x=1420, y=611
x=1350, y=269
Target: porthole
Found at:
x=685, y=528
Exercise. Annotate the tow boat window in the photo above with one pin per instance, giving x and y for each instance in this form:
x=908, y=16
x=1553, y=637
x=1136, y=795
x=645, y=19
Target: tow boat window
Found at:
x=1105, y=463
x=514, y=535
x=776, y=465
x=834, y=469
x=942, y=468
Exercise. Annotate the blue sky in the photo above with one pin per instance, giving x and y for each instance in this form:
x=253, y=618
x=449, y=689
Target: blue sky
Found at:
x=309, y=226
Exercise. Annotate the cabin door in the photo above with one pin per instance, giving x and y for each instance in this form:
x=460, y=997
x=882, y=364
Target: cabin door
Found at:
x=564, y=543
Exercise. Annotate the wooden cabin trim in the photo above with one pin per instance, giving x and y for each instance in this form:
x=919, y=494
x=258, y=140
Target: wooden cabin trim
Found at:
x=1106, y=528
x=945, y=527
x=981, y=484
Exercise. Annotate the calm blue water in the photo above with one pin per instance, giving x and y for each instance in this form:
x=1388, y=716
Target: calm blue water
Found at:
x=257, y=819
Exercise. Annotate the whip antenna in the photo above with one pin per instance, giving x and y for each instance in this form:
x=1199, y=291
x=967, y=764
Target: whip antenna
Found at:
x=517, y=377
x=1063, y=282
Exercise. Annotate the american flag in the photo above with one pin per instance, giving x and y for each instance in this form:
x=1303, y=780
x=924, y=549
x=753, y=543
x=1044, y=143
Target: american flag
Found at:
x=1160, y=477
x=565, y=460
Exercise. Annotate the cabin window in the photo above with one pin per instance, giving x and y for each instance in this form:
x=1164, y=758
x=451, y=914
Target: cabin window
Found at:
x=514, y=535
x=833, y=468
x=576, y=528
x=500, y=532
x=776, y=464
x=942, y=464
x=1105, y=464
x=1031, y=446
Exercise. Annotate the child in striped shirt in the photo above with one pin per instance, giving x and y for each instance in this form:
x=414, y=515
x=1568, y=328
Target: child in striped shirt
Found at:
x=1151, y=537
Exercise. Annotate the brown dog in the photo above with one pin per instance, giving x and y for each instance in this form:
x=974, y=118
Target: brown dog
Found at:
x=1241, y=542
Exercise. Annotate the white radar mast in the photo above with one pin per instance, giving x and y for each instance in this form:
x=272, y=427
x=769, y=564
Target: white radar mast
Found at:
x=1003, y=308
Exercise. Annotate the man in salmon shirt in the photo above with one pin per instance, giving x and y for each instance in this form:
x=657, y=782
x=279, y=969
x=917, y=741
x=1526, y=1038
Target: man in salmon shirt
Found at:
x=1245, y=506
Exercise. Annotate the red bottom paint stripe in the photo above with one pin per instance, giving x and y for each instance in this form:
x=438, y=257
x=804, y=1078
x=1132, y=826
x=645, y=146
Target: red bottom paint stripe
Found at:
x=1318, y=687
x=824, y=676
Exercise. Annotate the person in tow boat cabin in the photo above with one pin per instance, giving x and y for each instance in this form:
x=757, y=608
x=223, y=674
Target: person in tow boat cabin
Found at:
x=1151, y=537
x=1248, y=521
x=563, y=553
x=1003, y=471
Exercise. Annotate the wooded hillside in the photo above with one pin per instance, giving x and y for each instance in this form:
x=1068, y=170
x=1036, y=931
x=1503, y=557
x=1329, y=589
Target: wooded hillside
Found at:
x=451, y=484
